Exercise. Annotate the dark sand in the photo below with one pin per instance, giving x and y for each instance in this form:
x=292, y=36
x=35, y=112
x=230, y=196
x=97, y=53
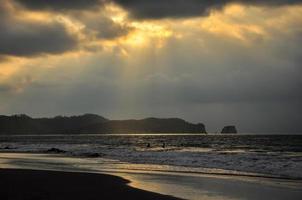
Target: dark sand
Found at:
x=20, y=184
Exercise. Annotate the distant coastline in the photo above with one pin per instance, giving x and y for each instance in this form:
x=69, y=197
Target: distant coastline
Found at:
x=94, y=124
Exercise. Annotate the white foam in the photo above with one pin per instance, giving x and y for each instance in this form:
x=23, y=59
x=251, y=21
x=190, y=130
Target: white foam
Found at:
x=190, y=159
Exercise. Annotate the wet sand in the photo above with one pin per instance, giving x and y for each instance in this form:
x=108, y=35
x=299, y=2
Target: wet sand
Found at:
x=216, y=187
x=22, y=184
x=84, y=179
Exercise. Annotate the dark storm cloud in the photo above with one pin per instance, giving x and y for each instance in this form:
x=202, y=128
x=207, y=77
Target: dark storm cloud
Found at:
x=27, y=39
x=59, y=4
x=168, y=8
x=102, y=26
x=150, y=8
x=20, y=37
x=157, y=9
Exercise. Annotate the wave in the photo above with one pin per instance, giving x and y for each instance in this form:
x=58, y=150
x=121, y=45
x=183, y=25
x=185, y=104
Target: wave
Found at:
x=184, y=159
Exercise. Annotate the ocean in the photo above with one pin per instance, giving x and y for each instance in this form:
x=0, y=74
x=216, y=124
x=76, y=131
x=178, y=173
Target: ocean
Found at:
x=257, y=155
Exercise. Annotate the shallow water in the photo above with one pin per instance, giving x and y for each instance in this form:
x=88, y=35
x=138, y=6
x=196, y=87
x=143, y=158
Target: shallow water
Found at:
x=268, y=155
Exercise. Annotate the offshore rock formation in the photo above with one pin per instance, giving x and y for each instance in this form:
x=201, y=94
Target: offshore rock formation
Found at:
x=229, y=129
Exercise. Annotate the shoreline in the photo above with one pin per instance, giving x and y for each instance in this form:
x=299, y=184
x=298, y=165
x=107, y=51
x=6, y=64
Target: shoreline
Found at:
x=55, y=185
x=252, y=155
x=232, y=173
x=21, y=184
x=180, y=185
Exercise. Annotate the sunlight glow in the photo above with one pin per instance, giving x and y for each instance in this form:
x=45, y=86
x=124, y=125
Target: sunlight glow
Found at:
x=145, y=33
x=116, y=13
x=229, y=23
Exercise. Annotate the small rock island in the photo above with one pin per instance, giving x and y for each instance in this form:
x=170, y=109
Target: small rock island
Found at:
x=229, y=129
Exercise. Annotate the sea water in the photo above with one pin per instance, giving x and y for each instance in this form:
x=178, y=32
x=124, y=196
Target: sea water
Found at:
x=263, y=155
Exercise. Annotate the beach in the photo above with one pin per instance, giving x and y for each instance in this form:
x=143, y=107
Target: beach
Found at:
x=17, y=184
x=52, y=176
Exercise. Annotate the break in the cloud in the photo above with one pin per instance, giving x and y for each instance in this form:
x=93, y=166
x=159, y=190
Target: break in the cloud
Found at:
x=101, y=26
x=237, y=65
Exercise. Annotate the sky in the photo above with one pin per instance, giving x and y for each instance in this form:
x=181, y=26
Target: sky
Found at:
x=225, y=62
